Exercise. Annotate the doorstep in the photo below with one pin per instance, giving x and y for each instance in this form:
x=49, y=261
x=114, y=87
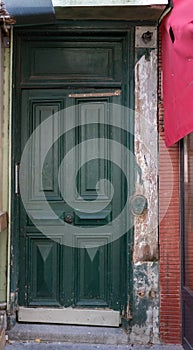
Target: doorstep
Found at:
x=68, y=346
x=43, y=337
x=65, y=333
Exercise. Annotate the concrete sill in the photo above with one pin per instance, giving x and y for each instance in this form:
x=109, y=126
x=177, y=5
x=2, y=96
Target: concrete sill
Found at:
x=3, y=220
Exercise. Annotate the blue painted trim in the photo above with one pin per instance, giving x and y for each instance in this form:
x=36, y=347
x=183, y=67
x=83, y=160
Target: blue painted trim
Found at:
x=31, y=11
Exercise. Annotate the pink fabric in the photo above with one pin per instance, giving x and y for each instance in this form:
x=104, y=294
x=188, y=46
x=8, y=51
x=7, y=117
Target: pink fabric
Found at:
x=177, y=59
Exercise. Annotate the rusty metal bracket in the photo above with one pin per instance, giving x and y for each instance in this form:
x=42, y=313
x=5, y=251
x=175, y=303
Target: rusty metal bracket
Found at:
x=146, y=37
x=5, y=21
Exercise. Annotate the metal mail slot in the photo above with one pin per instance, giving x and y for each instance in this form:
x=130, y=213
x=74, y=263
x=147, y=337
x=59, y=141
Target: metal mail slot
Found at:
x=96, y=94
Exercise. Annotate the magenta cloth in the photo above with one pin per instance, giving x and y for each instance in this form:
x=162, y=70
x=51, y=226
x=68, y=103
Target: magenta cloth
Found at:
x=177, y=56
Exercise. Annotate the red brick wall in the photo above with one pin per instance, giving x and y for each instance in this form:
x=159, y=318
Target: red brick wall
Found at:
x=169, y=237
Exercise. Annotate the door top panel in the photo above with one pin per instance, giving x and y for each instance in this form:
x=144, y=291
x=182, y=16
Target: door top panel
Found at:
x=78, y=60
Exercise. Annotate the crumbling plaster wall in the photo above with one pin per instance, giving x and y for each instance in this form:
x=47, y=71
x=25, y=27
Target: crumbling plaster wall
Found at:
x=145, y=313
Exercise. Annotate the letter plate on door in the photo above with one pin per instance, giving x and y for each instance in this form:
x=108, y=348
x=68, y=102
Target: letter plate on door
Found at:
x=96, y=94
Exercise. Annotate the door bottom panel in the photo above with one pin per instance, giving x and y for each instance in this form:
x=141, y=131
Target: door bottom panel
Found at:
x=94, y=317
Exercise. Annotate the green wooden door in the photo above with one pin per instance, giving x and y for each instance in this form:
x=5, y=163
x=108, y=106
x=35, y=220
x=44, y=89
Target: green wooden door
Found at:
x=72, y=250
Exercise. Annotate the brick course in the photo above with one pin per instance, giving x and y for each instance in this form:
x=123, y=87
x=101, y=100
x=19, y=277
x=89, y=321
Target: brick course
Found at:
x=169, y=236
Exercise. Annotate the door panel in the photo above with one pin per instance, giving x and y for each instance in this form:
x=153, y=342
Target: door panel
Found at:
x=44, y=271
x=92, y=283
x=89, y=175
x=40, y=110
x=101, y=61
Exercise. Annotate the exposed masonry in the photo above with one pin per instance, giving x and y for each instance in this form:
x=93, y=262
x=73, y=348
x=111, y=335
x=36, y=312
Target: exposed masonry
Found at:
x=145, y=313
x=169, y=233
x=145, y=327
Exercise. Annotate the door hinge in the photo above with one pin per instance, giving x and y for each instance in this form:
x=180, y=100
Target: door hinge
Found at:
x=25, y=293
x=17, y=166
x=126, y=312
x=13, y=301
x=12, y=257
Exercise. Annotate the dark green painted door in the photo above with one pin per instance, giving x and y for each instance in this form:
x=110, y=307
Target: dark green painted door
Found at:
x=73, y=84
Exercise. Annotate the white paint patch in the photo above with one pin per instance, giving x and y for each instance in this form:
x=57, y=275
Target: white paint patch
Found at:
x=146, y=290
x=146, y=152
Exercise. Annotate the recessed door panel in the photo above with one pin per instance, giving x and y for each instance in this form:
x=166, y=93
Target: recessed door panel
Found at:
x=78, y=61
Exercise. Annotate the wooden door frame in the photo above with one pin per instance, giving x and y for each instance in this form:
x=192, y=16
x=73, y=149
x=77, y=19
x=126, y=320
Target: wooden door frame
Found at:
x=69, y=26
